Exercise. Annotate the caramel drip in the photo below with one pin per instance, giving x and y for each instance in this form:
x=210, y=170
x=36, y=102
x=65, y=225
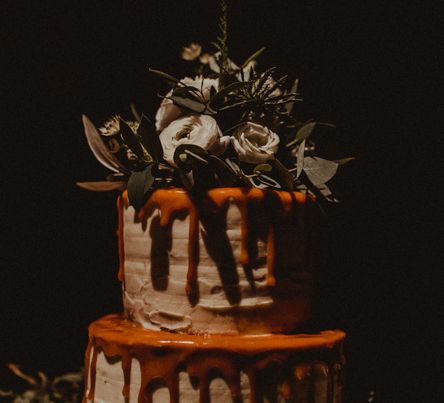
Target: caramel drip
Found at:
x=162, y=355
x=172, y=202
x=120, y=209
x=126, y=368
x=271, y=256
x=92, y=369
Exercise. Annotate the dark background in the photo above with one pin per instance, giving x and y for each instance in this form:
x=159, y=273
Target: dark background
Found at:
x=368, y=67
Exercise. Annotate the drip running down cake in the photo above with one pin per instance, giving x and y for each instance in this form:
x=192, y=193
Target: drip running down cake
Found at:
x=212, y=303
x=215, y=211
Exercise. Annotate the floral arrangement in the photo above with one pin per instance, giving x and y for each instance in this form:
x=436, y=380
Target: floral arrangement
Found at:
x=231, y=125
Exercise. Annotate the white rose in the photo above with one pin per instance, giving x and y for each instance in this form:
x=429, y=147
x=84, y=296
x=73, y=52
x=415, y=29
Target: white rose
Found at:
x=199, y=130
x=255, y=143
x=168, y=112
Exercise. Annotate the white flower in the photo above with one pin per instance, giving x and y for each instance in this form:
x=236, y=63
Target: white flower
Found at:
x=192, y=51
x=168, y=112
x=255, y=143
x=199, y=130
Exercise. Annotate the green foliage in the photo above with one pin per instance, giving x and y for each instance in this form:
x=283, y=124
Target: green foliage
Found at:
x=139, y=185
x=150, y=139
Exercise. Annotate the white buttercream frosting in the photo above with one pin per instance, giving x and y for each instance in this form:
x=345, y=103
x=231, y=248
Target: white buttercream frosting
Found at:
x=110, y=382
x=232, y=299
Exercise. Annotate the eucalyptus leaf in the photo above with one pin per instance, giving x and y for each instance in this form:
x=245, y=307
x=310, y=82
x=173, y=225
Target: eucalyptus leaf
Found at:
x=300, y=159
x=139, y=184
x=131, y=140
x=319, y=170
x=165, y=76
x=102, y=186
x=343, y=161
x=306, y=131
x=150, y=139
x=99, y=149
x=254, y=56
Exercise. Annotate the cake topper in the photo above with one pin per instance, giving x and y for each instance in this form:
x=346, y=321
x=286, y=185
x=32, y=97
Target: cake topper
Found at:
x=229, y=126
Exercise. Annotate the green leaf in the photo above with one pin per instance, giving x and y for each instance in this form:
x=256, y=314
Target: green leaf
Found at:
x=139, y=184
x=262, y=168
x=187, y=155
x=275, y=86
x=281, y=174
x=226, y=91
x=225, y=174
x=165, y=76
x=254, y=56
x=131, y=140
x=263, y=79
x=150, y=139
x=265, y=181
x=236, y=104
x=306, y=131
x=187, y=90
x=191, y=104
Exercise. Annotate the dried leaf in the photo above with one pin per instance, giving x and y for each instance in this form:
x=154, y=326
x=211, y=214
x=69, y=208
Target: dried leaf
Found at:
x=294, y=90
x=102, y=186
x=165, y=76
x=99, y=149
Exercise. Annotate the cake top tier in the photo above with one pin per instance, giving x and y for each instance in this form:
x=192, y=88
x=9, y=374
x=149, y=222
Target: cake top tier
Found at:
x=273, y=205
x=232, y=260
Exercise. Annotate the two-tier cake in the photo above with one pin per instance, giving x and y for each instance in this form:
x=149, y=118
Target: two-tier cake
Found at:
x=214, y=292
x=215, y=238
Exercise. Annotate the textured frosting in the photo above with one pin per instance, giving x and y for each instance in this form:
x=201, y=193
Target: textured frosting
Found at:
x=236, y=262
x=125, y=363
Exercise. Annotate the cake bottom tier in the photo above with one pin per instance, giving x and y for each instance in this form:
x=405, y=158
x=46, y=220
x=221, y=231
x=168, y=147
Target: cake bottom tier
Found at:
x=126, y=363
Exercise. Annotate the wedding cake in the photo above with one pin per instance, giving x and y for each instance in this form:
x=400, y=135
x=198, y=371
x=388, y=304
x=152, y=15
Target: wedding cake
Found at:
x=215, y=243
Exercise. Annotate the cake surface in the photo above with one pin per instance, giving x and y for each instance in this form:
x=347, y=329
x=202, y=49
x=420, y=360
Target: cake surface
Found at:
x=126, y=363
x=233, y=262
